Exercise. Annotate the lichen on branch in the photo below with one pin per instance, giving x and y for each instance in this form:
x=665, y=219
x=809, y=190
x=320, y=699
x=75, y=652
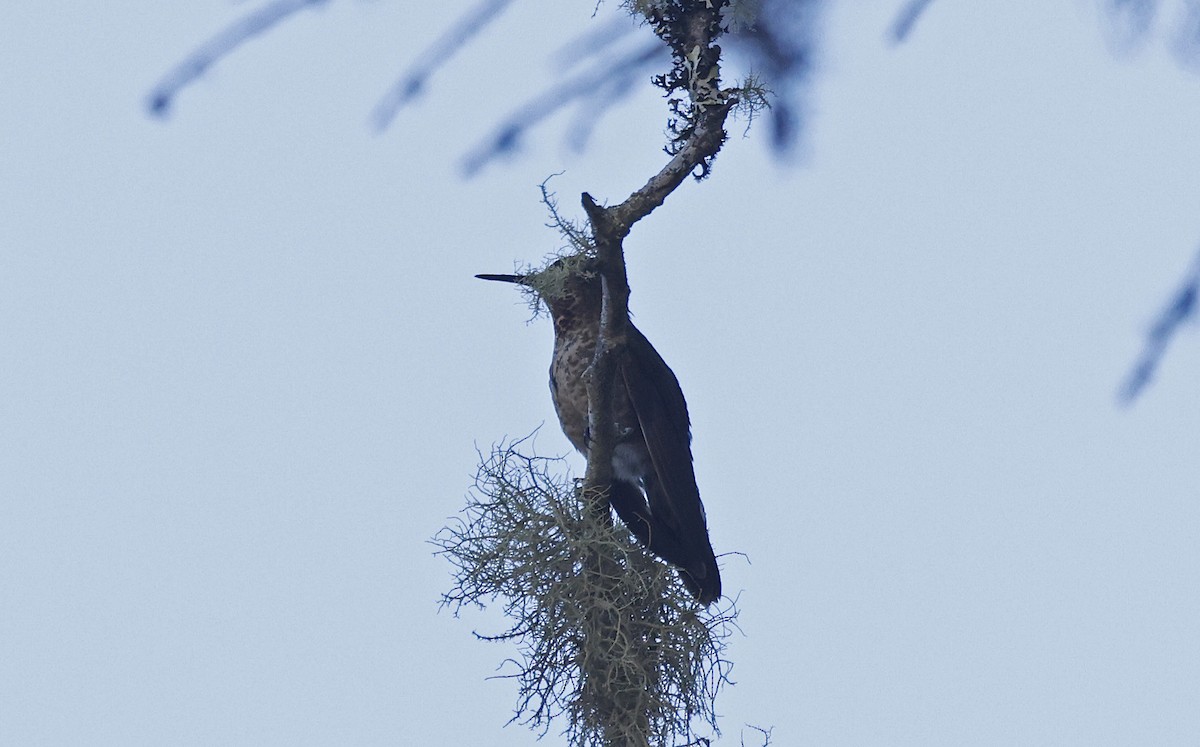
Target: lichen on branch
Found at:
x=619, y=650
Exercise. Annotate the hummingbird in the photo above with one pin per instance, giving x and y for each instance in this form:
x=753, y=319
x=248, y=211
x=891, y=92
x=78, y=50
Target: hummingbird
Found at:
x=654, y=488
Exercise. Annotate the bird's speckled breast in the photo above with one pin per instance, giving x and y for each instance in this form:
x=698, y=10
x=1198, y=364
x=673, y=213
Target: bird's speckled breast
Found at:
x=573, y=353
x=572, y=356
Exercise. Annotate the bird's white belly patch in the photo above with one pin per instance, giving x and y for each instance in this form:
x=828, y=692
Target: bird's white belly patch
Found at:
x=630, y=463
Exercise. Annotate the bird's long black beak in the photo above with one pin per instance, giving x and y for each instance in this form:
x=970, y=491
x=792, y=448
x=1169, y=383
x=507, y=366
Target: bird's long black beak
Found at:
x=518, y=279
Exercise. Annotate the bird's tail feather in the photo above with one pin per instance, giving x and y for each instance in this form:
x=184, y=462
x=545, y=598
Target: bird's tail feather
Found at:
x=693, y=556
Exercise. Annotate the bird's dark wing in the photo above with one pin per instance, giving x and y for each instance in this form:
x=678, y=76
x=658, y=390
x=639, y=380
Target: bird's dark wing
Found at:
x=673, y=496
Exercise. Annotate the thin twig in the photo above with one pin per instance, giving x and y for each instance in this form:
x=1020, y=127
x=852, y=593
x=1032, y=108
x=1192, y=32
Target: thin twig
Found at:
x=507, y=135
x=447, y=45
x=1181, y=307
x=162, y=96
x=906, y=19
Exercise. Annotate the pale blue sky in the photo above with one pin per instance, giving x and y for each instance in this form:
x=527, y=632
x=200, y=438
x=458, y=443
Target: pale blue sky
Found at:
x=247, y=366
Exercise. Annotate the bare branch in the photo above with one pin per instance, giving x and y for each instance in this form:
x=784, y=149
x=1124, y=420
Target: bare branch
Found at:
x=593, y=107
x=507, y=136
x=906, y=19
x=1181, y=307
x=610, y=345
x=765, y=734
x=162, y=96
x=413, y=82
x=591, y=43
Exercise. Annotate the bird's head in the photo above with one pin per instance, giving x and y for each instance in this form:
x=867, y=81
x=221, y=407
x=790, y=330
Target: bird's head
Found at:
x=569, y=285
